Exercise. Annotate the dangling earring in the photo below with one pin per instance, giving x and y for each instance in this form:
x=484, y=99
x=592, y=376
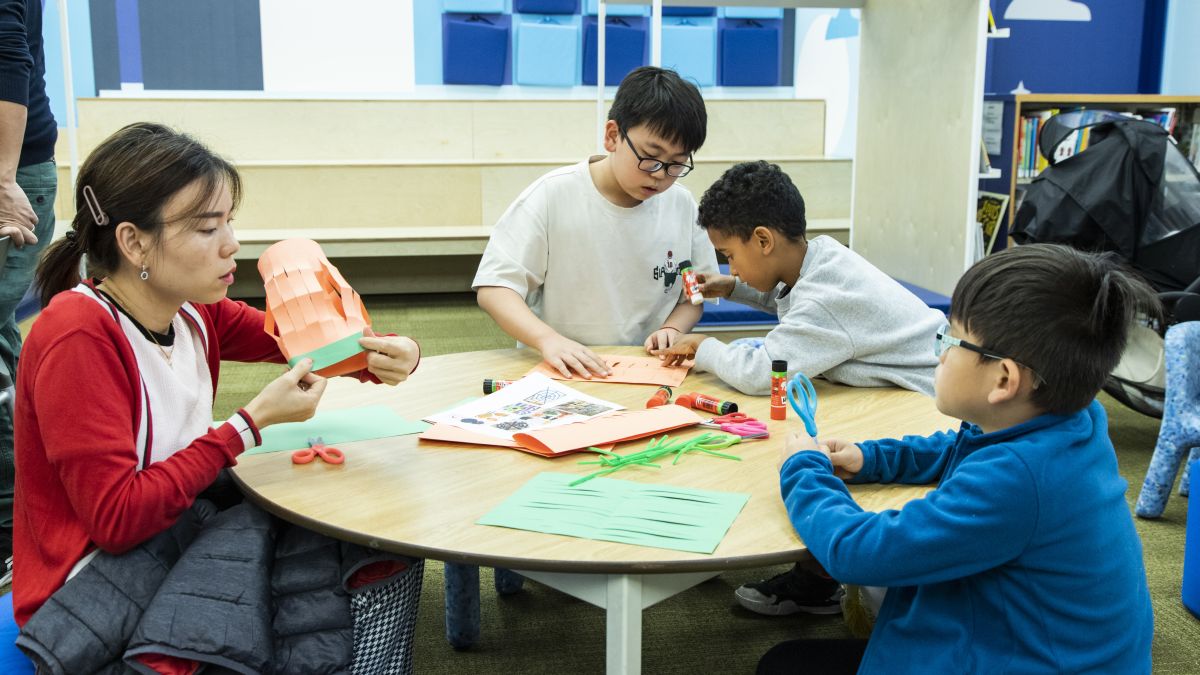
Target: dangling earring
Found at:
x=144, y=275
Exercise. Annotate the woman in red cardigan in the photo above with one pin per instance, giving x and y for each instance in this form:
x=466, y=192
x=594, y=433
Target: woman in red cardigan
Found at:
x=114, y=431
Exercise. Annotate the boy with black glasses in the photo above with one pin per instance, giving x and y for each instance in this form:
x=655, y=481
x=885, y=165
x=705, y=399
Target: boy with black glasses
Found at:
x=1024, y=559
x=590, y=253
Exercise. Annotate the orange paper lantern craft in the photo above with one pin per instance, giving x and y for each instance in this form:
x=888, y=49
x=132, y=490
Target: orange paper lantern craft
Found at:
x=311, y=310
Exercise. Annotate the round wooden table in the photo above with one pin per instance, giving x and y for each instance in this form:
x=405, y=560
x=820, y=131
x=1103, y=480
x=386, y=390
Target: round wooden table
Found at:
x=422, y=498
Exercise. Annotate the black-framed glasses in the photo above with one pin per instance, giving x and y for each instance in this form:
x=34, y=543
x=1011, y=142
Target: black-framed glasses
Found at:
x=944, y=341
x=650, y=164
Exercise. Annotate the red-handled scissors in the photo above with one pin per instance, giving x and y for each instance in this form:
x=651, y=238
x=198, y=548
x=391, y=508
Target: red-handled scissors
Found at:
x=317, y=448
x=739, y=424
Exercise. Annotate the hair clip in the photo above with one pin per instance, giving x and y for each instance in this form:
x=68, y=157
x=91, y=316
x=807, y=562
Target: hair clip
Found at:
x=93, y=204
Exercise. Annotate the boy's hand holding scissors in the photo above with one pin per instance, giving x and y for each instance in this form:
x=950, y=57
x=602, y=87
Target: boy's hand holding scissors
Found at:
x=847, y=457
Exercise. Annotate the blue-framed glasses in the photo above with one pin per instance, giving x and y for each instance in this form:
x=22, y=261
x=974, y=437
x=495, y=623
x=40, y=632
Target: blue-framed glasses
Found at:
x=650, y=165
x=944, y=341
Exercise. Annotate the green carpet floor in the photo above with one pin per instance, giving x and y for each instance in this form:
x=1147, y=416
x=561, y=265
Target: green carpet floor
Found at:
x=540, y=630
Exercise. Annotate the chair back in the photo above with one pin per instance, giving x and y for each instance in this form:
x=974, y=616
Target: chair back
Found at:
x=8, y=392
x=1182, y=347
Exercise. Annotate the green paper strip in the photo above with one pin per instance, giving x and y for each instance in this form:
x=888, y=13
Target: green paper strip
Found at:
x=606, y=509
x=338, y=426
x=334, y=352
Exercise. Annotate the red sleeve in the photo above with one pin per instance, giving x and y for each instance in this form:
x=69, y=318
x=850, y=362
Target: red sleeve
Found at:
x=95, y=455
x=240, y=333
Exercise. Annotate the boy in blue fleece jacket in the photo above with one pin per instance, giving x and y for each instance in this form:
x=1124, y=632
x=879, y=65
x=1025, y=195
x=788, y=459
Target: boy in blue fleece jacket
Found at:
x=1024, y=559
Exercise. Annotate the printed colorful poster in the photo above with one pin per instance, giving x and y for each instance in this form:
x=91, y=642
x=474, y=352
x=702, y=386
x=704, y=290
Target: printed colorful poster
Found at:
x=532, y=403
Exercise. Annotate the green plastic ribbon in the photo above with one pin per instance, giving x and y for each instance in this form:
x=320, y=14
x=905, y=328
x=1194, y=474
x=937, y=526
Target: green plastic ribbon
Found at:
x=334, y=352
x=659, y=448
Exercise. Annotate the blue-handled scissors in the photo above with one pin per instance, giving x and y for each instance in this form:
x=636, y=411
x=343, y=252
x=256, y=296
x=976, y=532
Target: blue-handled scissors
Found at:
x=738, y=424
x=317, y=448
x=803, y=398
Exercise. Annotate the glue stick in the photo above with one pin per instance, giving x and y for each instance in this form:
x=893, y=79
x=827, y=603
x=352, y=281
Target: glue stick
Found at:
x=778, y=382
x=691, y=286
x=707, y=403
x=490, y=385
x=660, y=397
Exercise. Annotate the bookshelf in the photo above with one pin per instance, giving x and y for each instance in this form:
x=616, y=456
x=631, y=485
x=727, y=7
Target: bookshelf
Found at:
x=1187, y=118
x=920, y=105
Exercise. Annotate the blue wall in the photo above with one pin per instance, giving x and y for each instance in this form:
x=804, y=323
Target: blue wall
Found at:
x=1116, y=52
x=1181, y=51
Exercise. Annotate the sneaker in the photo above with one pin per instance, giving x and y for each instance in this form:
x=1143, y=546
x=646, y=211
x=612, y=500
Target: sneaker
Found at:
x=792, y=591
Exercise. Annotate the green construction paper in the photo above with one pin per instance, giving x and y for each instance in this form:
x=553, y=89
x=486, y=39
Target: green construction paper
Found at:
x=334, y=352
x=338, y=426
x=607, y=509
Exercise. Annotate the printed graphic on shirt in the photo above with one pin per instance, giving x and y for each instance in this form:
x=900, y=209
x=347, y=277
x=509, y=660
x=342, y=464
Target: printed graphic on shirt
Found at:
x=667, y=272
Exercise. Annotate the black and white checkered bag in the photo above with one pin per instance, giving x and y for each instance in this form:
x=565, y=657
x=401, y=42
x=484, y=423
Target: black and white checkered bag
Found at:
x=385, y=619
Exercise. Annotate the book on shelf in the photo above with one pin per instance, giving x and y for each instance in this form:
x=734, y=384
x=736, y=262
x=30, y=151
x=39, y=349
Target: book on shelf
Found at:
x=985, y=164
x=1030, y=161
x=991, y=210
x=1189, y=138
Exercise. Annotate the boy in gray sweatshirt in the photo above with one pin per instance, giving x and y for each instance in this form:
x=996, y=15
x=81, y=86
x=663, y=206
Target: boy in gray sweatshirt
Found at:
x=840, y=317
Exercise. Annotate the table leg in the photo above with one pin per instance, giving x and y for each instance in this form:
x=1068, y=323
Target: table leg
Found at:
x=623, y=596
x=462, y=605
x=508, y=581
x=623, y=653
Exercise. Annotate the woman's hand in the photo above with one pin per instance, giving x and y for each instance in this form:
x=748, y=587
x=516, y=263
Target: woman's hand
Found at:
x=391, y=358
x=291, y=397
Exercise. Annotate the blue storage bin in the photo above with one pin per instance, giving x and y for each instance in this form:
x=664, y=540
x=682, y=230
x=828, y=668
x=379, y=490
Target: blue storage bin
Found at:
x=546, y=6
x=625, y=48
x=546, y=50
x=591, y=7
x=689, y=11
x=689, y=46
x=750, y=53
x=1191, y=546
x=473, y=6
x=753, y=13
x=474, y=48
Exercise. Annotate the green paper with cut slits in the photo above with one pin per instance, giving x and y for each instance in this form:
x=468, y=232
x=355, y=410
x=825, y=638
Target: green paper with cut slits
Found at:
x=607, y=509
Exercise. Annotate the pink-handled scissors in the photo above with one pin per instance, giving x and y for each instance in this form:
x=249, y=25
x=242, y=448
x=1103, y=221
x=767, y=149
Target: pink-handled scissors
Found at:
x=317, y=448
x=738, y=424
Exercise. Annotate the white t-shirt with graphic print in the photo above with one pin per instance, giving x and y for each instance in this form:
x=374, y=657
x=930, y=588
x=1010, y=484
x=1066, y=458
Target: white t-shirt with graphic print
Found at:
x=595, y=272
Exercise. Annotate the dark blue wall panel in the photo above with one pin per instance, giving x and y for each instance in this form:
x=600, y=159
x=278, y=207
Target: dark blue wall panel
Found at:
x=105, y=59
x=1101, y=56
x=201, y=44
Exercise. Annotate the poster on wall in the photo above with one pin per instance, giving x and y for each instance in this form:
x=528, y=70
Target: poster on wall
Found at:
x=306, y=49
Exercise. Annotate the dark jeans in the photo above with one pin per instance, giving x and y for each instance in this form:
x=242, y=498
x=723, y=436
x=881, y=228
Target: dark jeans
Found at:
x=40, y=183
x=815, y=657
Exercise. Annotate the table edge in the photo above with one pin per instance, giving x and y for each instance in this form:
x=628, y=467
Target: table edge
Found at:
x=711, y=564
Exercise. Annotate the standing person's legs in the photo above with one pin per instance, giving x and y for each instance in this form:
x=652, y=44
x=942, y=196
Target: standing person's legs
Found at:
x=813, y=657
x=40, y=183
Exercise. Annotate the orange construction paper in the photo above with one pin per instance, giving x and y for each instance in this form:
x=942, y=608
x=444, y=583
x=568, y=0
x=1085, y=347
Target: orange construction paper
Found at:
x=627, y=370
x=452, y=434
x=614, y=428
x=309, y=304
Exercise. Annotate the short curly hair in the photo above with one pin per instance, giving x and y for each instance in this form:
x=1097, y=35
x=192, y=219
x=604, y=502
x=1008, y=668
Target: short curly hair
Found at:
x=751, y=194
